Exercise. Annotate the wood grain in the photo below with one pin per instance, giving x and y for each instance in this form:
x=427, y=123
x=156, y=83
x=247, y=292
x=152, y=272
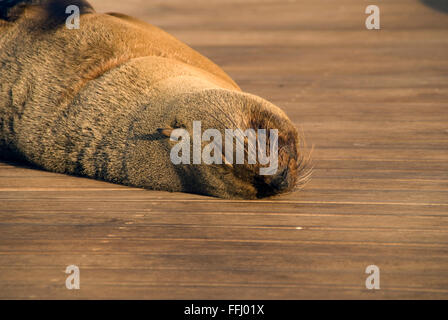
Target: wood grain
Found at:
x=373, y=103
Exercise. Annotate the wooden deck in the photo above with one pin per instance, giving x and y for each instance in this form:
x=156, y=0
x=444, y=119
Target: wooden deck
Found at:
x=374, y=104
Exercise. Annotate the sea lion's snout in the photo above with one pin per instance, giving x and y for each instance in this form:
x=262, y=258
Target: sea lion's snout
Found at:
x=293, y=165
x=283, y=181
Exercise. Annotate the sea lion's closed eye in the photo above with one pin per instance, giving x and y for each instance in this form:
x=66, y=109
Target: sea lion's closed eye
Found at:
x=165, y=131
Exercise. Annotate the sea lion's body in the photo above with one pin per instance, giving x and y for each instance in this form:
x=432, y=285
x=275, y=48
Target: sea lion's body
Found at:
x=89, y=101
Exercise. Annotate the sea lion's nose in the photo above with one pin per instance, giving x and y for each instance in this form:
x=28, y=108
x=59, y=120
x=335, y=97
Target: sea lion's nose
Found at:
x=280, y=180
x=271, y=185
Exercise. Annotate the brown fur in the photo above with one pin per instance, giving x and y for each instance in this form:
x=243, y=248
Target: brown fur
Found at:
x=97, y=101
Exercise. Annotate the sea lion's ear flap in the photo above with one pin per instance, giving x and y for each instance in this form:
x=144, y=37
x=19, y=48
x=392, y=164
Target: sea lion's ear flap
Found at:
x=165, y=131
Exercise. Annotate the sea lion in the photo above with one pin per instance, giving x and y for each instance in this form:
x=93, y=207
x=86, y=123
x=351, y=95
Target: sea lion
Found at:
x=102, y=101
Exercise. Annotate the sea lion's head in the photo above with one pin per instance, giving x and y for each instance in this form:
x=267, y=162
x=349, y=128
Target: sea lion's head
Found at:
x=286, y=166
